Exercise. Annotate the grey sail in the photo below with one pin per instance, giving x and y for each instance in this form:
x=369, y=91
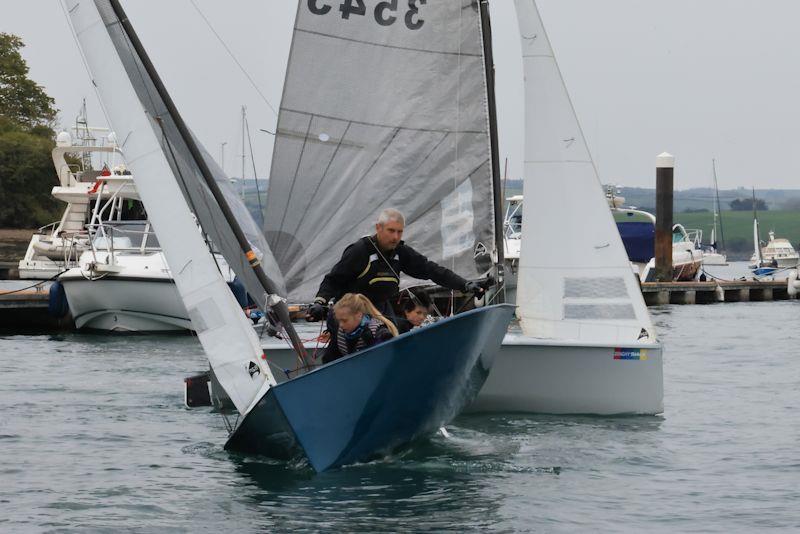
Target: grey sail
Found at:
x=384, y=105
x=186, y=171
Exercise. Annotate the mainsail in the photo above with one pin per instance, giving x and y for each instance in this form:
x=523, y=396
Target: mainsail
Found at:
x=160, y=160
x=575, y=281
x=186, y=171
x=384, y=105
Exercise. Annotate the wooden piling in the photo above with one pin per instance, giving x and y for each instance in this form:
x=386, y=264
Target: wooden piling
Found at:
x=665, y=167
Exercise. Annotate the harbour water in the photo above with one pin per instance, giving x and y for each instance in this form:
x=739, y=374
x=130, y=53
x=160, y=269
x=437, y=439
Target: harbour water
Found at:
x=94, y=436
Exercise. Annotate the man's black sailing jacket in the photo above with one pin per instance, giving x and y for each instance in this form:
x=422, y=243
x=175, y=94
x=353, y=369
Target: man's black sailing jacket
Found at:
x=364, y=269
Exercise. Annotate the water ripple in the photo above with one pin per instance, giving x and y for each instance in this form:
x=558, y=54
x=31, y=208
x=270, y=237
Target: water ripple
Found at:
x=103, y=442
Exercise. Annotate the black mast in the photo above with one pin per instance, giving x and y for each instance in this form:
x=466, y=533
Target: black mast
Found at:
x=497, y=186
x=280, y=308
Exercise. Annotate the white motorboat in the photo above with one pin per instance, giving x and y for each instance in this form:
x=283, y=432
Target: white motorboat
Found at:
x=56, y=247
x=133, y=292
x=122, y=282
x=107, y=259
x=126, y=288
x=775, y=254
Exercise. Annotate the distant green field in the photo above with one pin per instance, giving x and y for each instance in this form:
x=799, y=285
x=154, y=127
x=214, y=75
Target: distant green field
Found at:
x=738, y=227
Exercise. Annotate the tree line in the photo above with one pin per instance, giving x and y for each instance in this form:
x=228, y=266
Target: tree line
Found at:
x=27, y=120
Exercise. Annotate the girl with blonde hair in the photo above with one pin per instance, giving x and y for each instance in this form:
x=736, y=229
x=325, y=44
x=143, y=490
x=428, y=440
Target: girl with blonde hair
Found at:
x=359, y=325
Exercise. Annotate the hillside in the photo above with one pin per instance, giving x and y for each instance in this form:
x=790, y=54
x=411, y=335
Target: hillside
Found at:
x=702, y=198
x=738, y=227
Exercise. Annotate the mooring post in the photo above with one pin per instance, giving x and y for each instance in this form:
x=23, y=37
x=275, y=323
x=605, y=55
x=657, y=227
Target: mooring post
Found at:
x=665, y=167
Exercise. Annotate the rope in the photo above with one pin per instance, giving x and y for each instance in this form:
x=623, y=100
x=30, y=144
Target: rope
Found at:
x=253, y=161
x=37, y=284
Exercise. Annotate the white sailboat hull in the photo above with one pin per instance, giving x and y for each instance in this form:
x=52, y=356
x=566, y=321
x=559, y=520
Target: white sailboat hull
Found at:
x=124, y=304
x=546, y=376
x=540, y=376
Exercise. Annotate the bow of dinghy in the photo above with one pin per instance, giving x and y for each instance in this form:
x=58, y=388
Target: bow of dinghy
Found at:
x=374, y=401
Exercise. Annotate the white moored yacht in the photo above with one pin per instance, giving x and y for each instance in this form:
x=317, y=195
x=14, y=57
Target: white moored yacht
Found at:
x=776, y=255
x=780, y=251
x=57, y=246
x=122, y=282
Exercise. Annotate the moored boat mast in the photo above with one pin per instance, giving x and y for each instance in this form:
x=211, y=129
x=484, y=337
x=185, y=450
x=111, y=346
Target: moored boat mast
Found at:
x=717, y=211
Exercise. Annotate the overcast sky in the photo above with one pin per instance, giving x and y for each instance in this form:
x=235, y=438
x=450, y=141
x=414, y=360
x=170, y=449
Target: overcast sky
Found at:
x=701, y=79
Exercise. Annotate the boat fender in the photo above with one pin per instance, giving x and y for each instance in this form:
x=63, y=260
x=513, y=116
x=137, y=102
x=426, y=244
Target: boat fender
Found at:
x=239, y=291
x=792, y=284
x=57, y=305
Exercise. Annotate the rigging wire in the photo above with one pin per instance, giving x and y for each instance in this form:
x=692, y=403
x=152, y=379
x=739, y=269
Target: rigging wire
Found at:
x=253, y=161
x=149, y=96
x=233, y=57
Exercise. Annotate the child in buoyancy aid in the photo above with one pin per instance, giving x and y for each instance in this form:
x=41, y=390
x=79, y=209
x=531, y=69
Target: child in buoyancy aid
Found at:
x=359, y=325
x=415, y=310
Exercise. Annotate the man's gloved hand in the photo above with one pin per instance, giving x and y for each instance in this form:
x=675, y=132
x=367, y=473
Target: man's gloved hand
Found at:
x=475, y=288
x=318, y=311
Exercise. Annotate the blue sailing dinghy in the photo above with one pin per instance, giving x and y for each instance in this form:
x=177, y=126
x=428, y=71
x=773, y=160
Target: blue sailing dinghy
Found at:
x=374, y=401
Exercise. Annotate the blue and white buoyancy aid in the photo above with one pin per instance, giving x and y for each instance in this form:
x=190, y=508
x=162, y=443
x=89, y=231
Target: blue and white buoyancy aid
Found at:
x=362, y=337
